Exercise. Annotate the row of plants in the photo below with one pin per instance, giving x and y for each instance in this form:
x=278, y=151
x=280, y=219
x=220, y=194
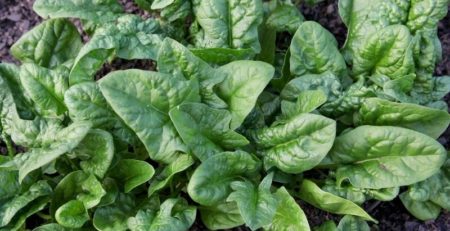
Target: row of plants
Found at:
x=232, y=128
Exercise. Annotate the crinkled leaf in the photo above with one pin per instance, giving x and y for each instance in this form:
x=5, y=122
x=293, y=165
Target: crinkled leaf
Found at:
x=114, y=216
x=429, y=121
x=142, y=99
x=46, y=88
x=386, y=52
x=228, y=23
x=244, y=81
x=80, y=186
x=97, y=11
x=174, y=215
x=285, y=18
x=176, y=59
x=210, y=183
x=96, y=152
x=85, y=102
x=64, y=141
x=15, y=205
x=129, y=37
x=298, y=144
x=326, y=82
x=314, y=51
x=426, y=14
x=383, y=156
x=49, y=44
x=205, y=130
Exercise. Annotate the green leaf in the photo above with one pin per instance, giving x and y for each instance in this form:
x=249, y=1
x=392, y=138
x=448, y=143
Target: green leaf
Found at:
x=289, y=215
x=49, y=44
x=46, y=88
x=142, y=100
x=174, y=215
x=326, y=82
x=14, y=206
x=386, y=52
x=85, y=102
x=9, y=185
x=18, y=221
x=423, y=210
x=285, y=18
x=129, y=37
x=96, y=151
x=160, y=4
x=222, y=56
x=222, y=216
x=314, y=51
x=326, y=226
x=206, y=131
x=228, y=23
x=51, y=227
x=176, y=59
x=10, y=75
x=382, y=157
x=256, y=204
x=80, y=186
x=210, y=183
x=429, y=121
x=114, y=217
x=72, y=214
x=244, y=81
x=132, y=173
x=97, y=11
x=313, y=195
x=160, y=181
x=64, y=141
x=307, y=101
x=426, y=14
x=298, y=144
x=352, y=223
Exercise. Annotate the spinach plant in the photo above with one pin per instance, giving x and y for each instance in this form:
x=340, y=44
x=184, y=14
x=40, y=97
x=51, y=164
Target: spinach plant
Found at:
x=230, y=129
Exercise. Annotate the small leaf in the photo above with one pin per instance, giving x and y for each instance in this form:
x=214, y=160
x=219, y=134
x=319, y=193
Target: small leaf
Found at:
x=132, y=173
x=72, y=214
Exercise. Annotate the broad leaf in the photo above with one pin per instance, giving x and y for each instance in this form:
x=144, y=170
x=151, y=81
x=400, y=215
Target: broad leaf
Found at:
x=206, y=131
x=49, y=44
x=72, y=214
x=228, y=23
x=256, y=204
x=244, y=81
x=222, y=216
x=314, y=51
x=210, y=183
x=429, y=121
x=142, y=99
x=298, y=144
x=383, y=156
x=97, y=11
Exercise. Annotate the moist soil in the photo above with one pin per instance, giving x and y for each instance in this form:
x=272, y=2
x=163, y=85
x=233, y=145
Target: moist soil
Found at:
x=17, y=17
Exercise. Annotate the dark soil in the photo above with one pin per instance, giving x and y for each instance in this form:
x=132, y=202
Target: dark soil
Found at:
x=17, y=17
